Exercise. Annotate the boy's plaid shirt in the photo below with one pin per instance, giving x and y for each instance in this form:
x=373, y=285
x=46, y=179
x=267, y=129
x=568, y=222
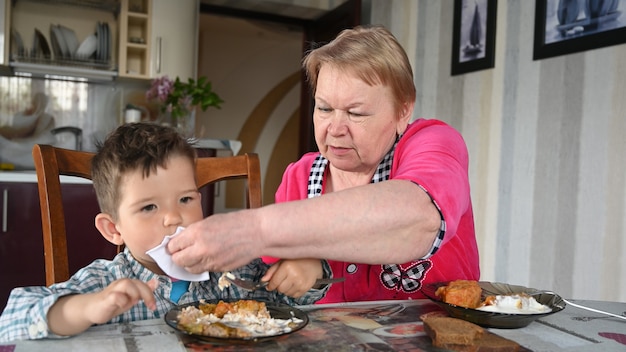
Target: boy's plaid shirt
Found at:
x=25, y=314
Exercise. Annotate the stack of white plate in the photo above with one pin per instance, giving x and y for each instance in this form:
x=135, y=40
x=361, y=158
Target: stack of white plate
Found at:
x=103, y=47
x=65, y=45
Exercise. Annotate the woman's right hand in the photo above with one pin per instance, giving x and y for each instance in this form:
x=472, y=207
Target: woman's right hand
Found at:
x=218, y=243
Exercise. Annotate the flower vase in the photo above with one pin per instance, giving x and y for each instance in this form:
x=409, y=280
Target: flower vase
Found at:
x=186, y=124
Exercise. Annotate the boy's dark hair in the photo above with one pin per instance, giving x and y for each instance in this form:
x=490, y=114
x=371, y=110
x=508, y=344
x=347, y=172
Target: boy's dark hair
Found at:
x=132, y=147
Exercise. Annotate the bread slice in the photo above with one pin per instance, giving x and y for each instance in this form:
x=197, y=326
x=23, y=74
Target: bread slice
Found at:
x=462, y=336
x=493, y=343
x=451, y=331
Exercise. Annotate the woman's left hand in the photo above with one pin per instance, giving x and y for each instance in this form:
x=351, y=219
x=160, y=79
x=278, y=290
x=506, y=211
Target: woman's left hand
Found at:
x=293, y=277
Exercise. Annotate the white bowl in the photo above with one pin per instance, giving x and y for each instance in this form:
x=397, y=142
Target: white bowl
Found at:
x=87, y=47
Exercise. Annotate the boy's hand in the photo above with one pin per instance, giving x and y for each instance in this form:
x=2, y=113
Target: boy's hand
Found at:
x=73, y=314
x=293, y=277
x=120, y=296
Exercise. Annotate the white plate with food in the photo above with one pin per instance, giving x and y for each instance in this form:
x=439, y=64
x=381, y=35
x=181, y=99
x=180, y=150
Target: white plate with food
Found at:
x=236, y=321
x=501, y=297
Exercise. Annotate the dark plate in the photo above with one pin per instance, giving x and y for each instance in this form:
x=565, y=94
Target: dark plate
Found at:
x=100, y=46
x=493, y=319
x=43, y=44
x=54, y=41
x=276, y=310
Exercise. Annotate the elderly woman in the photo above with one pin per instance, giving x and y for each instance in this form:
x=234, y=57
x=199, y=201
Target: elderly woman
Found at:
x=386, y=201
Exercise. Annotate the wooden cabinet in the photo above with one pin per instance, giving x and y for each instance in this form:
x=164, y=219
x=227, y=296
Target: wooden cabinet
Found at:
x=158, y=38
x=174, y=38
x=21, y=243
x=135, y=38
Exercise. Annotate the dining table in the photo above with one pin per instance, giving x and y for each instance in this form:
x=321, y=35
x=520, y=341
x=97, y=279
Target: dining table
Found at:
x=354, y=326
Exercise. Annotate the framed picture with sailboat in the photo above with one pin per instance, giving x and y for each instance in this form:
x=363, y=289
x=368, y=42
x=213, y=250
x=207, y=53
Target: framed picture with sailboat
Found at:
x=473, y=36
x=570, y=26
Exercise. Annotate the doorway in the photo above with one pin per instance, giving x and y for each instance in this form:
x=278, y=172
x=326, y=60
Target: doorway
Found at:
x=251, y=51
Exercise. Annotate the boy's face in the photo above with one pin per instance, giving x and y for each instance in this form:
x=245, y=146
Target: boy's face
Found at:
x=153, y=207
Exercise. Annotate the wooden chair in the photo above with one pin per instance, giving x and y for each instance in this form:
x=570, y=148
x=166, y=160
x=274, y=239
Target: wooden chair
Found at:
x=50, y=162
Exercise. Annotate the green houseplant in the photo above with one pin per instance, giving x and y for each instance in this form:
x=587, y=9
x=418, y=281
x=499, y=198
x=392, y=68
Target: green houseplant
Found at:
x=178, y=98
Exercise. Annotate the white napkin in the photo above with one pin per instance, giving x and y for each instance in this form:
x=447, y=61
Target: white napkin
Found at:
x=164, y=259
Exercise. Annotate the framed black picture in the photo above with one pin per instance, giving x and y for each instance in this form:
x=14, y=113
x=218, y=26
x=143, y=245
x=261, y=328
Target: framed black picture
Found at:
x=473, y=36
x=570, y=26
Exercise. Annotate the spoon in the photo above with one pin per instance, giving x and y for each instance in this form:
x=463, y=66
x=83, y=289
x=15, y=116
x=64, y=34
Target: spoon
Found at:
x=253, y=285
x=580, y=306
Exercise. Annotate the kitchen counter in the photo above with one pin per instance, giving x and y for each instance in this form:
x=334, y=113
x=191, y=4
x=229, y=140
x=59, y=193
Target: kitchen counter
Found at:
x=30, y=176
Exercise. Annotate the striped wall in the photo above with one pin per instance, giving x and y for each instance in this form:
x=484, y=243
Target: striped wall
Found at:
x=547, y=142
x=546, y=138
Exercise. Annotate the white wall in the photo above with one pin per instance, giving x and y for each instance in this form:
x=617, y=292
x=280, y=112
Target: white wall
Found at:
x=248, y=63
x=547, y=147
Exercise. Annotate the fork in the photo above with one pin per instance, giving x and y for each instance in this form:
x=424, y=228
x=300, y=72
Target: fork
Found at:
x=254, y=285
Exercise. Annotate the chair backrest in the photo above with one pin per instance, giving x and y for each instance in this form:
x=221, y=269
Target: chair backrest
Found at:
x=51, y=162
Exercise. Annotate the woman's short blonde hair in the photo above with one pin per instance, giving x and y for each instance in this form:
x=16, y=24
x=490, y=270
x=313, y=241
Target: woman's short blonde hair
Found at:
x=371, y=53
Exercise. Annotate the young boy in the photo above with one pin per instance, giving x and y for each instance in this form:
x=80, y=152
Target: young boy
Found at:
x=144, y=179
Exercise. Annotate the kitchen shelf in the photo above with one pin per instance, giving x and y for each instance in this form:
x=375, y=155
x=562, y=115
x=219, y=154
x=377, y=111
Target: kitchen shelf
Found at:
x=62, y=72
x=138, y=49
x=137, y=30
x=89, y=64
x=83, y=18
x=105, y=5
